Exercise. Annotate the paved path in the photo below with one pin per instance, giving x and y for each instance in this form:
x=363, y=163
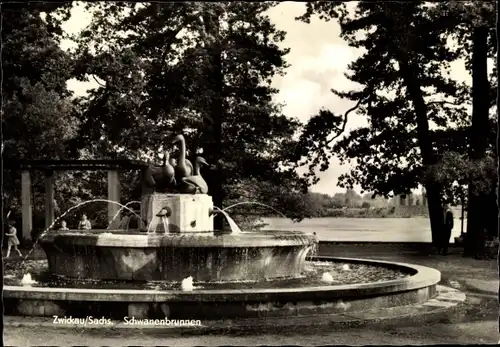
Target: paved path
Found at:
x=490, y=287
x=439, y=333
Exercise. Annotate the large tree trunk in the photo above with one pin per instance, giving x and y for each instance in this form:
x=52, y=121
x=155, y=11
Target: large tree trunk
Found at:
x=434, y=191
x=435, y=207
x=2, y=206
x=476, y=221
x=216, y=111
x=498, y=129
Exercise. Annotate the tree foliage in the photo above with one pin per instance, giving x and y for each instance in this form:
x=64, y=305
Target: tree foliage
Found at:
x=418, y=116
x=456, y=172
x=38, y=116
x=156, y=77
x=387, y=153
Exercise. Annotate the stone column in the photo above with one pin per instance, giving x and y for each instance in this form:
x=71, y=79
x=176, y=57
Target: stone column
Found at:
x=27, y=223
x=424, y=197
x=402, y=201
x=142, y=183
x=113, y=195
x=49, y=198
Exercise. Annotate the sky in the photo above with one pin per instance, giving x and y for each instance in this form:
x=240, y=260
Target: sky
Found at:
x=318, y=59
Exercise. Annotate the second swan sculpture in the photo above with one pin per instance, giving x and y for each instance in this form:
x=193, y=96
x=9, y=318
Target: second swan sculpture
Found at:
x=184, y=168
x=195, y=184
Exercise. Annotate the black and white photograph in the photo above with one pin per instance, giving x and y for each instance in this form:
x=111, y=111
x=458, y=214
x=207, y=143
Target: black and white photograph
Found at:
x=250, y=173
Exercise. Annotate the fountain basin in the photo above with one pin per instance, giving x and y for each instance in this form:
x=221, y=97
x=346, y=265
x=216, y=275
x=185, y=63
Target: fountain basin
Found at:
x=417, y=287
x=206, y=256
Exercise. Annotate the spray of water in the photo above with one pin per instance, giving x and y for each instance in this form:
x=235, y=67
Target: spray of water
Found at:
x=69, y=210
x=120, y=210
x=253, y=203
x=153, y=225
x=232, y=224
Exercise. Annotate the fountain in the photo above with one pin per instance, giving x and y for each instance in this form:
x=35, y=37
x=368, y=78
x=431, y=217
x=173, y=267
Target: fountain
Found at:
x=177, y=265
x=179, y=242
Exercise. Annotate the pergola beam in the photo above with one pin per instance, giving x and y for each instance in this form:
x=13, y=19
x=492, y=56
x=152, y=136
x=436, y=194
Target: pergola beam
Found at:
x=49, y=166
x=74, y=165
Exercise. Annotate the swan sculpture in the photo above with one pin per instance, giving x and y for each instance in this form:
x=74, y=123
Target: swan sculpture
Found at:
x=161, y=177
x=165, y=178
x=195, y=184
x=148, y=175
x=184, y=168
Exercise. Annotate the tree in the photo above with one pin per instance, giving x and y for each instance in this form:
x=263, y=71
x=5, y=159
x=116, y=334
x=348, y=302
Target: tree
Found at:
x=476, y=46
x=352, y=199
x=201, y=69
x=405, y=87
x=339, y=200
x=38, y=116
x=471, y=178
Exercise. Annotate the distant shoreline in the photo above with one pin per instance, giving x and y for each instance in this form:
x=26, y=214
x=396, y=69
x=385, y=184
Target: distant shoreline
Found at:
x=358, y=217
x=383, y=212
x=415, y=229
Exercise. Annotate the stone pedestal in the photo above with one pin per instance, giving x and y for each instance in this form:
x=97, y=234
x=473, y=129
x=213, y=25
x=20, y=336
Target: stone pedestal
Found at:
x=190, y=213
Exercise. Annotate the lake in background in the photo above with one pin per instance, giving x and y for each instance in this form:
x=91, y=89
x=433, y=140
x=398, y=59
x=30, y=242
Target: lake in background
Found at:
x=416, y=229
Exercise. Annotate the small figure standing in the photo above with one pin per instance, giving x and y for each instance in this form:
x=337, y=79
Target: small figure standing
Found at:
x=13, y=241
x=448, y=227
x=63, y=225
x=84, y=223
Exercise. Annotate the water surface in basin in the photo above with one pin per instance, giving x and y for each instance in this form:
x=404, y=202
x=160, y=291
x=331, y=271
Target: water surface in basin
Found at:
x=341, y=273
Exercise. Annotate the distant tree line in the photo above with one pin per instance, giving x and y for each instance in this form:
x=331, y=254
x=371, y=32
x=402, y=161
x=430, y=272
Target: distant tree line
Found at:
x=352, y=204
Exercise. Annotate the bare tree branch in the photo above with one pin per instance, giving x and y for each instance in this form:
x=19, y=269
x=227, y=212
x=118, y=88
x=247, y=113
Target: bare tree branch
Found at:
x=169, y=41
x=341, y=130
x=99, y=83
x=442, y=102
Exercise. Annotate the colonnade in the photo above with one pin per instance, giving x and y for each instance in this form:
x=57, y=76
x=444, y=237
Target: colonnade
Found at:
x=27, y=203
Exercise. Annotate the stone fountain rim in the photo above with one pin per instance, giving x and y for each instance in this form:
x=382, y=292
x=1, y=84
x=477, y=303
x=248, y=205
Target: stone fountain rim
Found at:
x=135, y=232
x=423, y=277
x=137, y=239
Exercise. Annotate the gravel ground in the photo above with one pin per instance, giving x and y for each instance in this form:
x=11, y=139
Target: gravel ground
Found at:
x=437, y=333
